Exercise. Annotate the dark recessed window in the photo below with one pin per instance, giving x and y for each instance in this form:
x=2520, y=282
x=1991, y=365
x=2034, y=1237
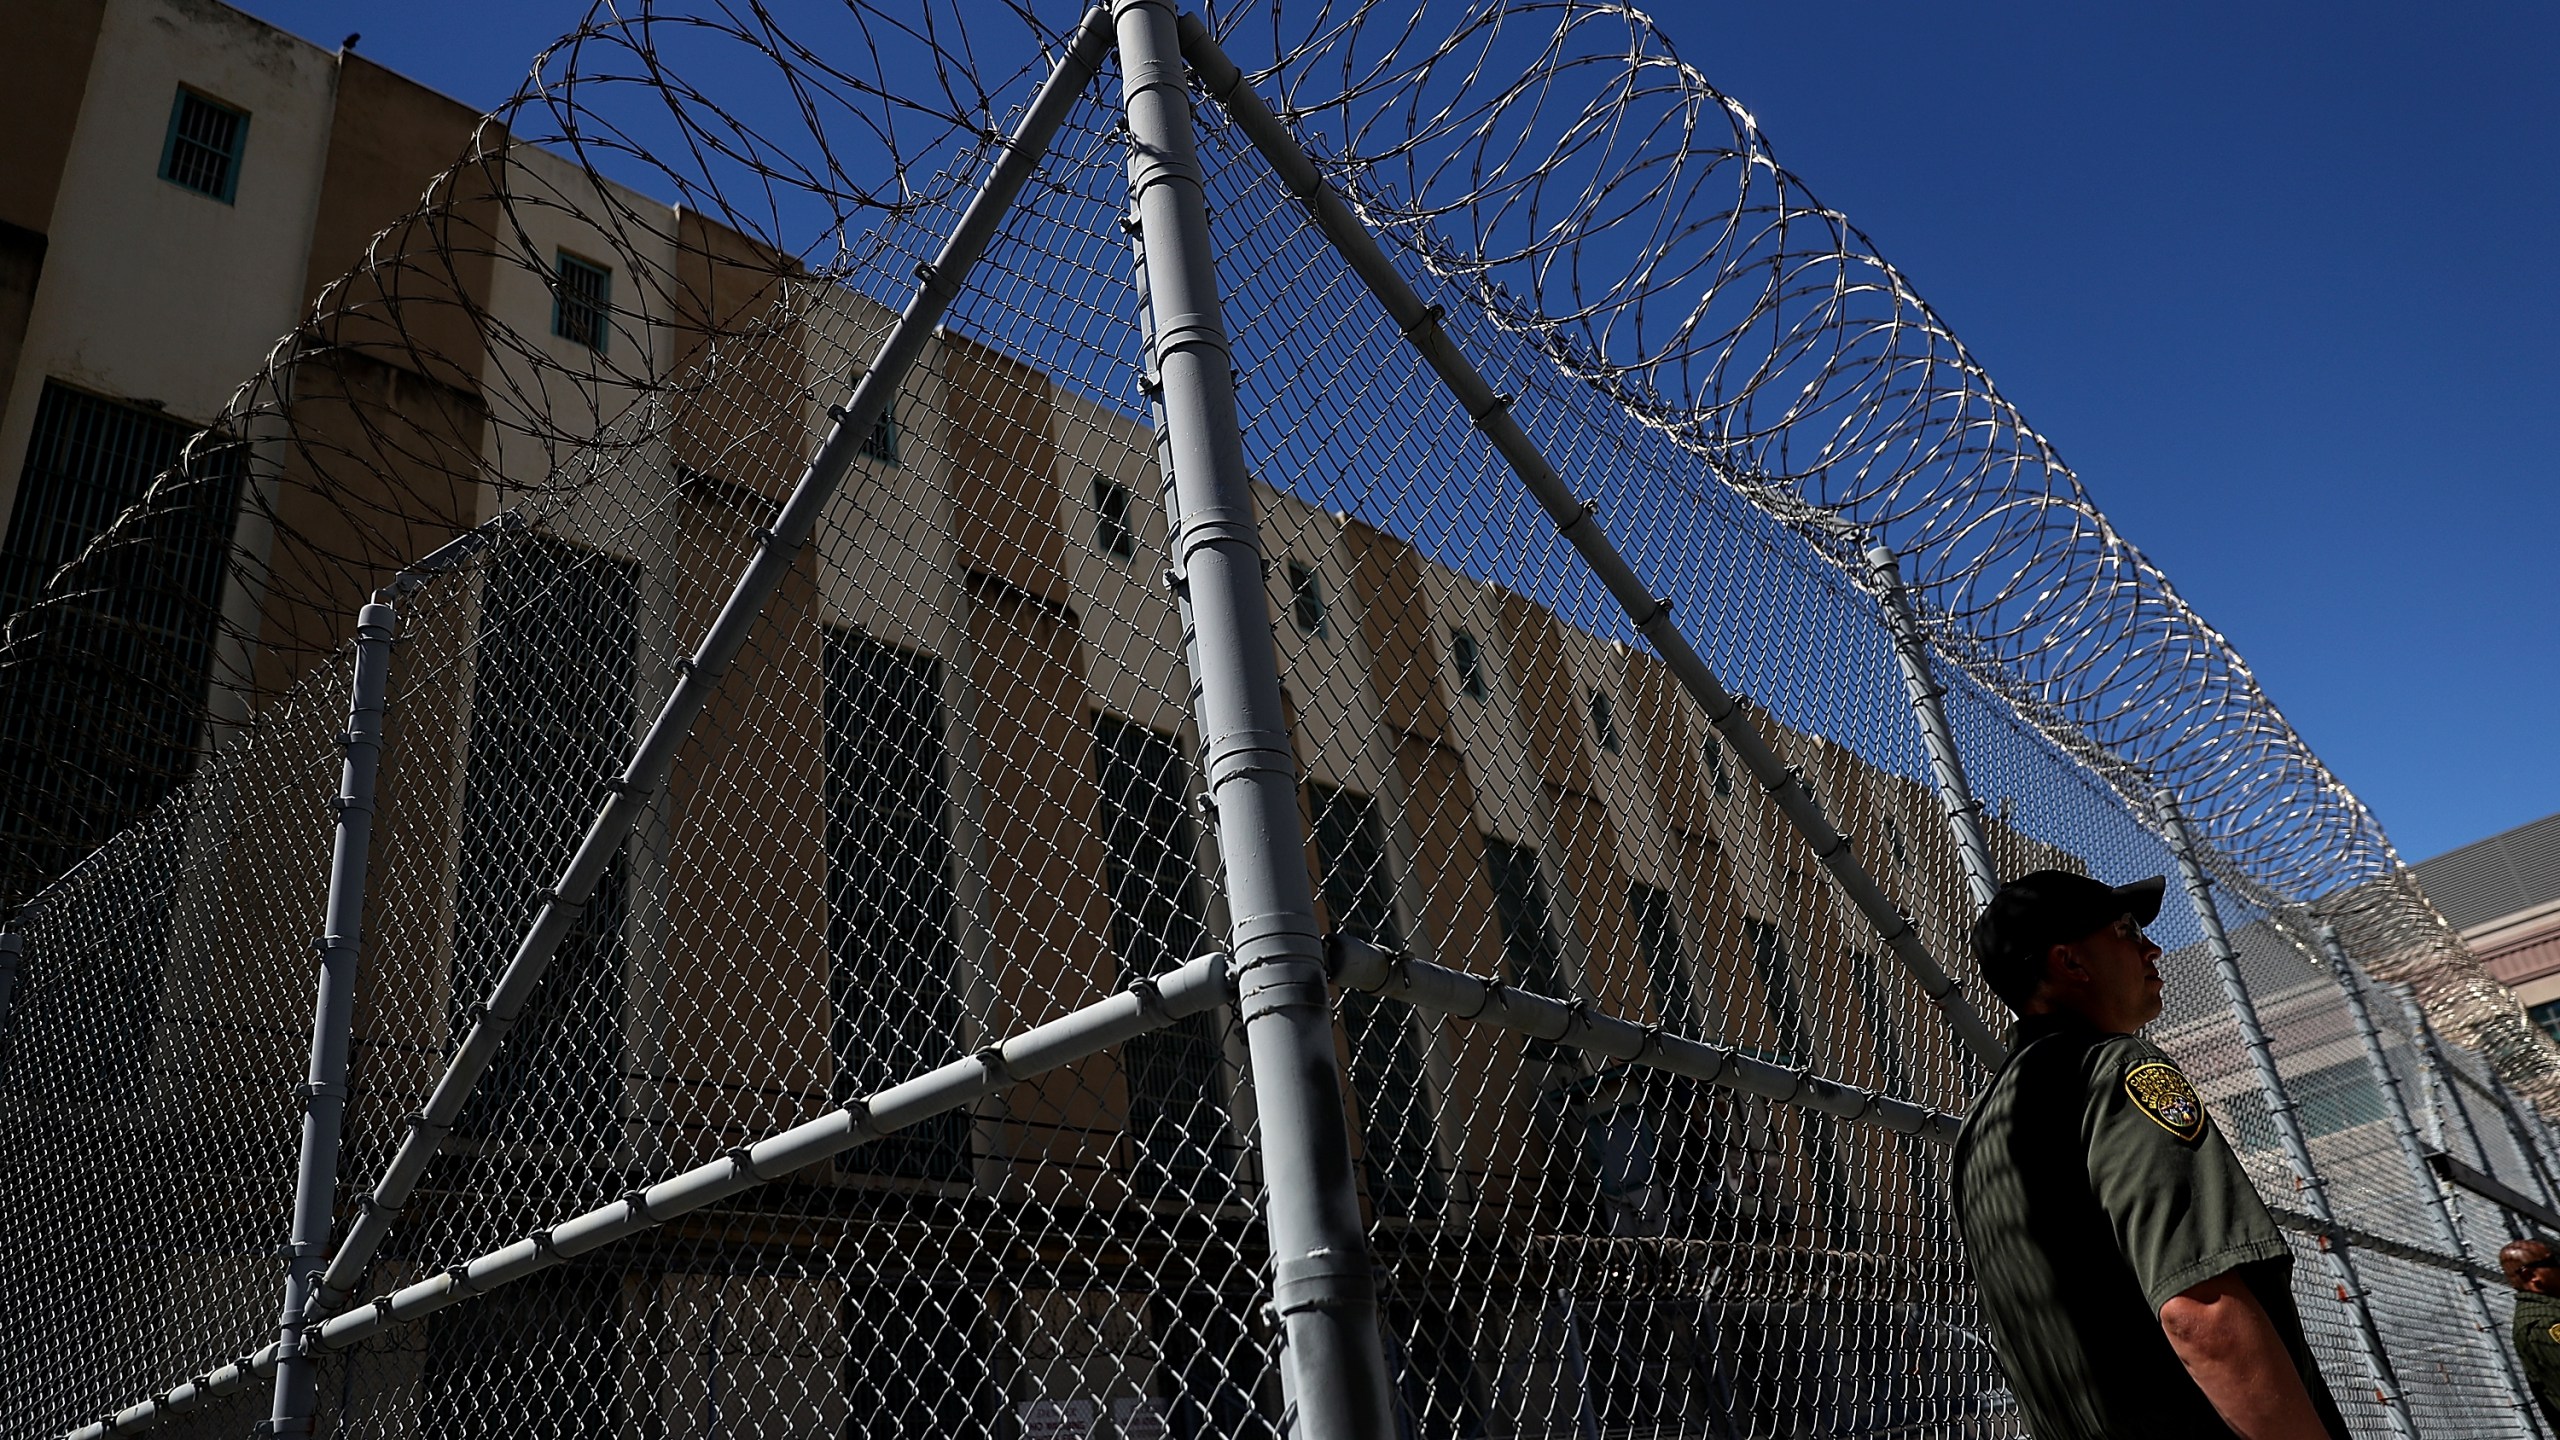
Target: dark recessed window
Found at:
x=1893, y=840
x=1306, y=599
x=1112, y=533
x=581, y=298
x=1715, y=765
x=1604, y=722
x=882, y=443
x=1469, y=662
x=202, y=152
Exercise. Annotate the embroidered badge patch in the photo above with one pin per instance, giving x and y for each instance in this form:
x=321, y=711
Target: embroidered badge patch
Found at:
x=2159, y=1091
x=2555, y=1334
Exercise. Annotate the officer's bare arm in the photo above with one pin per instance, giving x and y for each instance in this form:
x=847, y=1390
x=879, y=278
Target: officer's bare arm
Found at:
x=2223, y=1336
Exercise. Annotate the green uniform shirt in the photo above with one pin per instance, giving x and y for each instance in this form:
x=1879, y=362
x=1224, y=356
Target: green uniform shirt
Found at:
x=2538, y=1347
x=2091, y=1187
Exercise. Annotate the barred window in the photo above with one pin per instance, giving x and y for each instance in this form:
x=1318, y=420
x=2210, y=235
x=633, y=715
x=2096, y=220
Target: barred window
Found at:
x=202, y=150
x=893, y=944
x=1176, y=1112
x=1715, y=764
x=1529, y=945
x=551, y=720
x=1112, y=533
x=882, y=443
x=581, y=300
x=128, y=658
x=1665, y=966
x=1604, y=722
x=1387, y=1070
x=1469, y=663
x=1306, y=599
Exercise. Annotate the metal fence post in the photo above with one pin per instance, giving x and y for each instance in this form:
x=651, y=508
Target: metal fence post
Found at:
x=1928, y=707
x=315, y=1184
x=2280, y=1112
x=1323, y=1285
x=2405, y=1130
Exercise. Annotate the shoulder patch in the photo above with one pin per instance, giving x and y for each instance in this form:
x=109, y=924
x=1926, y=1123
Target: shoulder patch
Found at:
x=2159, y=1091
x=2555, y=1334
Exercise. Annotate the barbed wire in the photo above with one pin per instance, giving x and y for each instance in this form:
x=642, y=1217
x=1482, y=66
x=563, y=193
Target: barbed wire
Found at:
x=1555, y=162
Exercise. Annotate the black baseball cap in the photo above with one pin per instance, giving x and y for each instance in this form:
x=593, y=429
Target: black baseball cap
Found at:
x=2038, y=911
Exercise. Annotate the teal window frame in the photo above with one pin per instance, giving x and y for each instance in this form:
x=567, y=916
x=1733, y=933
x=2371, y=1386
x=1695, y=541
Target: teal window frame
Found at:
x=179, y=149
x=598, y=307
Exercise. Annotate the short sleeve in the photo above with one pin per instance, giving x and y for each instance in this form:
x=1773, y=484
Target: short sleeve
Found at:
x=2182, y=1208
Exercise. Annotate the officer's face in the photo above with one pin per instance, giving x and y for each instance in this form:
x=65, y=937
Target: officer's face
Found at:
x=2116, y=976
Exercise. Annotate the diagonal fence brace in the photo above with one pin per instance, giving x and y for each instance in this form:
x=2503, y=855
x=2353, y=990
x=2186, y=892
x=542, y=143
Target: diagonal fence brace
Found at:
x=1359, y=965
x=776, y=551
x=1191, y=989
x=1421, y=328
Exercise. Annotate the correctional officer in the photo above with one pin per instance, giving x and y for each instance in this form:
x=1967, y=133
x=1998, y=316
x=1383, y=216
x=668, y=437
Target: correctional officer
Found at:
x=2535, y=1273
x=2134, y=1283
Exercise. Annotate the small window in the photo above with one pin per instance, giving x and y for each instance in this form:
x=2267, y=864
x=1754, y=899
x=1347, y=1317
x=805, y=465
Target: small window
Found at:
x=1470, y=664
x=882, y=443
x=1112, y=533
x=202, y=152
x=2546, y=1017
x=1893, y=840
x=1715, y=764
x=581, y=298
x=1604, y=722
x=1306, y=599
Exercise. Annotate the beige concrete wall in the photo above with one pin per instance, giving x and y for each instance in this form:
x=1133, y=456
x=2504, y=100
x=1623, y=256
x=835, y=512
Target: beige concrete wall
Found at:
x=152, y=291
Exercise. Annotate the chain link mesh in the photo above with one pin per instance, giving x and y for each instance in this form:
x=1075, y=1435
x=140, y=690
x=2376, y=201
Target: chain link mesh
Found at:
x=950, y=790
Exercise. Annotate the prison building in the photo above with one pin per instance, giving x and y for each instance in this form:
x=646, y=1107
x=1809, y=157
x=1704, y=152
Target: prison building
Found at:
x=957, y=751
x=184, y=183
x=959, y=756
x=2503, y=894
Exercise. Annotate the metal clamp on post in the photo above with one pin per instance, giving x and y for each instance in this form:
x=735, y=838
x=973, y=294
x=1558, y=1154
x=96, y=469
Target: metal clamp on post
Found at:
x=1323, y=1280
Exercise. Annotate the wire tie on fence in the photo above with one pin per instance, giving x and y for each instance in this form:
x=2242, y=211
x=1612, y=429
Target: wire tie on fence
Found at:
x=415, y=1120
x=1429, y=319
x=311, y=1090
x=857, y=1111
x=1496, y=406
x=636, y=1202
x=744, y=1158
x=766, y=535
x=457, y=1276
x=543, y=1245
x=992, y=1058
x=1661, y=611
x=925, y=271
x=381, y=1307
x=1492, y=997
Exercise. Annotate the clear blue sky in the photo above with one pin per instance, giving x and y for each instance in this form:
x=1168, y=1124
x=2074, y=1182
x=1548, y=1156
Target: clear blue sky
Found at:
x=2281, y=281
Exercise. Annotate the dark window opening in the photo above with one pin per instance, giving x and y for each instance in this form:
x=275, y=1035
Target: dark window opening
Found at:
x=1715, y=764
x=1113, y=535
x=1530, y=950
x=1306, y=599
x=2547, y=1016
x=1666, y=966
x=103, y=719
x=581, y=301
x=551, y=720
x=882, y=443
x=202, y=150
x=1387, y=1070
x=1604, y=722
x=1893, y=842
x=1177, y=1113
x=893, y=946
x=1464, y=655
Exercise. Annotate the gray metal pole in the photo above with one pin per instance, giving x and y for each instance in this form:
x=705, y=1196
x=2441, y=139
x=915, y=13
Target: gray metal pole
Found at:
x=1143, y=1007
x=1359, y=965
x=1323, y=1285
x=341, y=943
x=1928, y=707
x=1421, y=327
x=2405, y=1130
x=2313, y=1195
x=2443, y=1091
x=776, y=550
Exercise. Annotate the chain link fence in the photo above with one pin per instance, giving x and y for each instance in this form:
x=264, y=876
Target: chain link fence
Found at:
x=801, y=987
